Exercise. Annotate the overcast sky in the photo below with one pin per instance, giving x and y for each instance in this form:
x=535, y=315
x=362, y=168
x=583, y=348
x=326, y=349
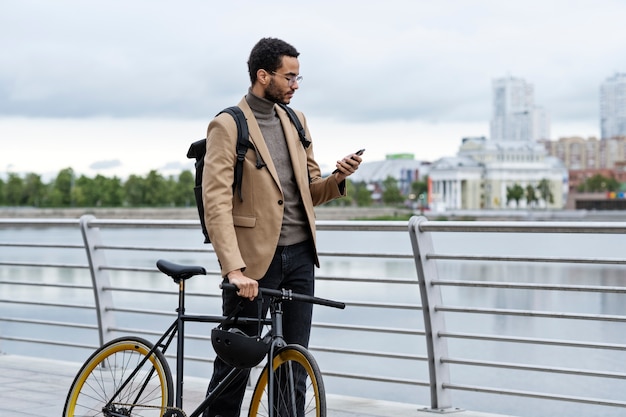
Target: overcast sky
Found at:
x=118, y=87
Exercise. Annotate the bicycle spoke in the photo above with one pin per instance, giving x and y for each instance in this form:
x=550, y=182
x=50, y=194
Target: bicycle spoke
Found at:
x=140, y=391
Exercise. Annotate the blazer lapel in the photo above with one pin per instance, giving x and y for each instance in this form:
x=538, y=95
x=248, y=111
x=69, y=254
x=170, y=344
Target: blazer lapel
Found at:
x=256, y=137
x=296, y=150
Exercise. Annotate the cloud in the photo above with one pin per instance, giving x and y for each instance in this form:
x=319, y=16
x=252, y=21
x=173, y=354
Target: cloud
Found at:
x=362, y=62
x=104, y=165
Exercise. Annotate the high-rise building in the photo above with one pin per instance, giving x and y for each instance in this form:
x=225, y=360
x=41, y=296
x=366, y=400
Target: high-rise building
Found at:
x=514, y=116
x=613, y=106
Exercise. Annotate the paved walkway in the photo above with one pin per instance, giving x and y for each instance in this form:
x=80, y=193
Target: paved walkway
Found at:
x=34, y=387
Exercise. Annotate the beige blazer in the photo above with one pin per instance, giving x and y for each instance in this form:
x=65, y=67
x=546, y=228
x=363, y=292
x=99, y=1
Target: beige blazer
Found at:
x=245, y=233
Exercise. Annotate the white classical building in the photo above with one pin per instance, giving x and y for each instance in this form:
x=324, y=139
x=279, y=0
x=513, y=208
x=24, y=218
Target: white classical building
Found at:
x=483, y=171
x=479, y=176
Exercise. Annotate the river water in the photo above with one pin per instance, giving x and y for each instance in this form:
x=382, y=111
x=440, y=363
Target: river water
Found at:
x=605, y=246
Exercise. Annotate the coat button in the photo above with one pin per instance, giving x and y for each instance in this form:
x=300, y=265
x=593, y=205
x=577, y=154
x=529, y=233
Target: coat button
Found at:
x=280, y=202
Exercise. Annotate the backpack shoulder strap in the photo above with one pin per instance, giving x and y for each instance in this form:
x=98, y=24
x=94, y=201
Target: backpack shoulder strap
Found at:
x=243, y=143
x=297, y=124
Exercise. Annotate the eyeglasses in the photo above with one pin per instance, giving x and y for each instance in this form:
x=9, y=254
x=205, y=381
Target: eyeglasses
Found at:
x=292, y=79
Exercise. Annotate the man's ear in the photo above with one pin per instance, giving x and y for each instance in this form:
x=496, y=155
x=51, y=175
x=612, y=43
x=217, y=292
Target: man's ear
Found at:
x=263, y=76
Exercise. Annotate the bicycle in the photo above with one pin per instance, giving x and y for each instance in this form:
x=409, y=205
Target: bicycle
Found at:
x=129, y=376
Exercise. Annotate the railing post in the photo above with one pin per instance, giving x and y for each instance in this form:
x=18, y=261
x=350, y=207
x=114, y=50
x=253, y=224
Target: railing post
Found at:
x=437, y=347
x=99, y=277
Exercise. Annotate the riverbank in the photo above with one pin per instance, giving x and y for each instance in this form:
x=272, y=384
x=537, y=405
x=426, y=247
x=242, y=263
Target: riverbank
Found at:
x=325, y=213
x=191, y=213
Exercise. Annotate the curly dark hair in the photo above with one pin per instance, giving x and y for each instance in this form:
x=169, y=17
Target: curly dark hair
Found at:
x=268, y=54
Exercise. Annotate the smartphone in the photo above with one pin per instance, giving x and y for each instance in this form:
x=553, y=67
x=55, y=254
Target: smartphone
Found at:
x=359, y=152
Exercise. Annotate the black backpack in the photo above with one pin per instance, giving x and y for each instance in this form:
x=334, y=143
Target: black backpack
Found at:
x=197, y=150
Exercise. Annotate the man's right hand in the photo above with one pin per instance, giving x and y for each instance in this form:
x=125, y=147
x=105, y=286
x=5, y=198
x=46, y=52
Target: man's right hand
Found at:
x=248, y=287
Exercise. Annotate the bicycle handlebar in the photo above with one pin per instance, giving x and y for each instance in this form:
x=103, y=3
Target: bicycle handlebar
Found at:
x=288, y=295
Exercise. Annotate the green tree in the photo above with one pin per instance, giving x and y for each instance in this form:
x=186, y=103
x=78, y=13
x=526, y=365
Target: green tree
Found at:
x=85, y=193
x=599, y=183
x=182, y=192
x=514, y=193
x=391, y=191
x=362, y=194
x=61, y=189
x=156, y=190
x=134, y=190
x=419, y=187
x=34, y=190
x=531, y=195
x=14, y=190
x=113, y=191
x=545, y=191
x=3, y=199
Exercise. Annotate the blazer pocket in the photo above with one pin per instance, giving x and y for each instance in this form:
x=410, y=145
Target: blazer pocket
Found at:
x=244, y=221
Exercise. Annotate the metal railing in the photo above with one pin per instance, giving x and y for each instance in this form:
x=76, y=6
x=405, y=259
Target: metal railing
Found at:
x=450, y=331
x=436, y=311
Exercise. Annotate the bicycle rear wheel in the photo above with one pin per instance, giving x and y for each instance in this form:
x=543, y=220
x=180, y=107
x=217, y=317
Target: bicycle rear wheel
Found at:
x=147, y=393
x=307, y=397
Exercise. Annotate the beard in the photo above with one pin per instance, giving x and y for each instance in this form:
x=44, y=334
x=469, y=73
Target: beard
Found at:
x=273, y=94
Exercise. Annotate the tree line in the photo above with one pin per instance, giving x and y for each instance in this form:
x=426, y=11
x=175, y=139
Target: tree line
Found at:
x=532, y=195
x=69, y=190
x=153, y=190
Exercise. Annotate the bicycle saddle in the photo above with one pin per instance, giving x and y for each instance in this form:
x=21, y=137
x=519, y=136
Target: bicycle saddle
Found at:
x=177, y=271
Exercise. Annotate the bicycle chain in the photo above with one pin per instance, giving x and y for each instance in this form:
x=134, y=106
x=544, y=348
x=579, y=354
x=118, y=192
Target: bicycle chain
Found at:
x=169, y=411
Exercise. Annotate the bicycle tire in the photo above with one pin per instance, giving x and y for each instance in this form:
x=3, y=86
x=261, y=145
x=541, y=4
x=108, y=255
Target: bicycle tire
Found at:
x=285, y=361
x=105, y=371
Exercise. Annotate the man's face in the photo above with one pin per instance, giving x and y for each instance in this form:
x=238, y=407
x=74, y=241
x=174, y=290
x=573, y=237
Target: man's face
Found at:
x=283, y=84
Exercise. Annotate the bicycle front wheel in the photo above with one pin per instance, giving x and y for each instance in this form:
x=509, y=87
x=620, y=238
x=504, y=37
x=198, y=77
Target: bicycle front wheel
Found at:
x=299, y=390
x=146, y=388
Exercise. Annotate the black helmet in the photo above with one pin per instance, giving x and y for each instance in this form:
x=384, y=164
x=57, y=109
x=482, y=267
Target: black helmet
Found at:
x=238, y=349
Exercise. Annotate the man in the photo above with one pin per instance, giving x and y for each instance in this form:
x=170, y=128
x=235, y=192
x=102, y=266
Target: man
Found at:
x=266, y=236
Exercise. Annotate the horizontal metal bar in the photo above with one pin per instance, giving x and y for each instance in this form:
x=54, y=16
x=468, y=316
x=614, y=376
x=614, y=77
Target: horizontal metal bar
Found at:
x=172, y=292
x=373, y=329
x=45, y=304
x=37, y=223
x=153, y=249
x=410, y=307
x=336, y=225
x=45, y=265
x=369, y=353
x=50, y=323
x=141, y=311
x=523, y=227
x=46, y=284
x=368, y=280
x=536, y=259
x=532, y=313
x=362, y=225
x=191, y=358
x=143, y=223
x=527, y=286
x=41, y=245
x=139, y=248
x=529, y=340
x=362, y=377
x=49, y=342
x=548, y=369
x=540, y=395
x=366, y=255
x=157, y=333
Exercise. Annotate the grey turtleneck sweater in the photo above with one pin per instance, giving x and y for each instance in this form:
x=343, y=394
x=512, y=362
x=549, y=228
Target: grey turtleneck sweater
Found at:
x=294, y=227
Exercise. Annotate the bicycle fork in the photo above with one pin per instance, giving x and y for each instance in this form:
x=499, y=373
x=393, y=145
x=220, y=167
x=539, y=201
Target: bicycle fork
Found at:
x=278, y=342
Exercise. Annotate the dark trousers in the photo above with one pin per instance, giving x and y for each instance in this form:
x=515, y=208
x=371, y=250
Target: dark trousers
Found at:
x=292, y=268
